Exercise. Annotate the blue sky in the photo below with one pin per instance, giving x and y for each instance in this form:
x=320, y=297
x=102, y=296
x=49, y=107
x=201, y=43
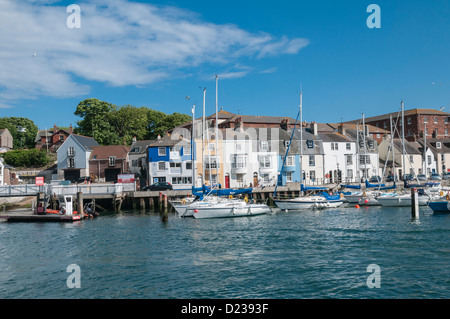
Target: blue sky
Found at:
x=155, y=53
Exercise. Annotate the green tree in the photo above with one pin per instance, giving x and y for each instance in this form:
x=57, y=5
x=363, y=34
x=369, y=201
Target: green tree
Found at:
x=95, y=121
x=129, y=121
x=25, y=137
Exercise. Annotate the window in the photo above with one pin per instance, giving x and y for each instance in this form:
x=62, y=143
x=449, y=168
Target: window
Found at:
x=425, y=119
x=237, y=147
x=188, y=165
x=385, y=124
x=288, y=177
x=264, y=161
x=136, y=149
x=161, y=166
x=312, y=175
x=429, y=159
x=134, y=163
x=348, y=146
x=364, y=159
x=349, y=174
x=312, y=160
x=410, y=132
x=290, y=161
x=446, y=131
x=238, y=161
x=186, y=150
x=211, y=162
x=411, y=159
x=71, y=151
x=310, y=143
x=112, y=161
x=264, y=146
x=445, y=120
x=211, y=146
x=435, y=119
x=438, y=145
x=61, y=138
x=370, y=144
x=409, y=120
x=161, y=151
x=71, y=162
x=175, y=165
x=349, y=159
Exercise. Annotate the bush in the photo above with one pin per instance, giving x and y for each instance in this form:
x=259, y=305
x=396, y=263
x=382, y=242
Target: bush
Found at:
x=26, y=158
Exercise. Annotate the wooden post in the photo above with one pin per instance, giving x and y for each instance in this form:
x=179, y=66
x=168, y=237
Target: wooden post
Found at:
x=414, y=203
x=142, y=203
x=165, y=203
x=80, y=205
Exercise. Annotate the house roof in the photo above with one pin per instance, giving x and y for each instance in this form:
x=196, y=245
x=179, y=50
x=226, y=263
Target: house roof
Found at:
x=167, y=140
x=410, y=147
x=85, y=141
x=142, y=144
x=105, y=151
x=397, y=114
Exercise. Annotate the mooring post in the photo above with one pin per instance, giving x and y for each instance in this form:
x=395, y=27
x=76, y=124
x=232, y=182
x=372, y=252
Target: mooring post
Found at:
x=414, y=203
x=80, y=204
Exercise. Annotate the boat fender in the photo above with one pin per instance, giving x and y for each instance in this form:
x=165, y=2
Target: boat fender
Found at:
x=364, y=194
x=246, y=199
x=342, y=195
x=442, y=193
x=230, y=197
x=448, y=197
x=183, y=201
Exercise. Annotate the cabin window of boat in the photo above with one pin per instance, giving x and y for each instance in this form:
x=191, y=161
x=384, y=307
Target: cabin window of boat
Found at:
x=312, y=160
x=161, y=166
x=310, y=144
x=161, y=151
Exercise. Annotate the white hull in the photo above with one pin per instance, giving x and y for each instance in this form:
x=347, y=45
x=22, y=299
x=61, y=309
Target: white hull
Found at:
x=353, y=198
x=313, y=202
x=227, y=209
x=401, y=200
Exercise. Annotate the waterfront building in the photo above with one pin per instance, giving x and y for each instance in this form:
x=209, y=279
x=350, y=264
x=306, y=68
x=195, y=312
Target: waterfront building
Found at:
x=170, y=160
x=433, y=123
x=441, y=152
x=138, y=160
x=51, y=139
x=73, y=157
x=106, y=162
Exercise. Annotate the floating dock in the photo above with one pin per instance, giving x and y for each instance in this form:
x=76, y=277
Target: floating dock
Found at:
x=30, y=217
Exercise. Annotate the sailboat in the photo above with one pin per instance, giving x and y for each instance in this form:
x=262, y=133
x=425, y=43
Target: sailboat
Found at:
x=321, y=200
x=216, y=204
x=403, y=199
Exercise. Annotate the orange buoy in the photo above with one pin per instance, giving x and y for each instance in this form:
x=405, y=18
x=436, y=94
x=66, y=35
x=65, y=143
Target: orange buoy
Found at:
x=357, y=206
x=366, y=201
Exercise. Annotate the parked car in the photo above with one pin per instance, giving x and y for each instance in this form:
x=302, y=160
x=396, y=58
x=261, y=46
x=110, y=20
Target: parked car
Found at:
x=435, y=177
x=160, y=186
x=391, y=178
x=447, y=175
x=421, y=177
x=408, y=177
x=375, y=179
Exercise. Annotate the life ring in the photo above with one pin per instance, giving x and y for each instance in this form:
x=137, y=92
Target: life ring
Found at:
x=342, y=195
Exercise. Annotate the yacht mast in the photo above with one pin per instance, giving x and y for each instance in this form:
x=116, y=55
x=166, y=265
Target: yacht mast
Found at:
x=217, y=131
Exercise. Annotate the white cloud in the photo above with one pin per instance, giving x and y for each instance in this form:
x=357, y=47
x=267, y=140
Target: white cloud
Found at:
x=119, y=43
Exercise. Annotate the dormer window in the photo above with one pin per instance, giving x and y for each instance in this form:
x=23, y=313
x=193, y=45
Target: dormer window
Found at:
x=310, y=143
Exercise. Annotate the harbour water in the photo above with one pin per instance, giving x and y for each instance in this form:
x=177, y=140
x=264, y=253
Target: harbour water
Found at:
x=292, y=255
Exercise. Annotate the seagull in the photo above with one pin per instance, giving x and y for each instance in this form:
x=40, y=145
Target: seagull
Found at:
x=34, y=54
x=187, y=98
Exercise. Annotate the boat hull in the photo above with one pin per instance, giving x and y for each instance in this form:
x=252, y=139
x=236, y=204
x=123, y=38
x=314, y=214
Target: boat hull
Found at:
x=440, y=206
x=401, y=201
x=227, y=210
x=299, y=204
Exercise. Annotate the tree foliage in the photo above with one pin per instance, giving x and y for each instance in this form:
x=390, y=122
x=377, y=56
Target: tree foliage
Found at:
x=109, y=124
x=20, y=139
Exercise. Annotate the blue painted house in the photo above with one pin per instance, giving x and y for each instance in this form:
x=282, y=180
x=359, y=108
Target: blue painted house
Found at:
x=170, y=160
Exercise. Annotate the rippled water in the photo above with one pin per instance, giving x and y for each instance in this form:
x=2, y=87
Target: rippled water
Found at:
x=309, y=254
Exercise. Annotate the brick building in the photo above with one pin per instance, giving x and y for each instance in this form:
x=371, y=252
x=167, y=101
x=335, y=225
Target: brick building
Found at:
x=435, y=123
x=108, y=161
